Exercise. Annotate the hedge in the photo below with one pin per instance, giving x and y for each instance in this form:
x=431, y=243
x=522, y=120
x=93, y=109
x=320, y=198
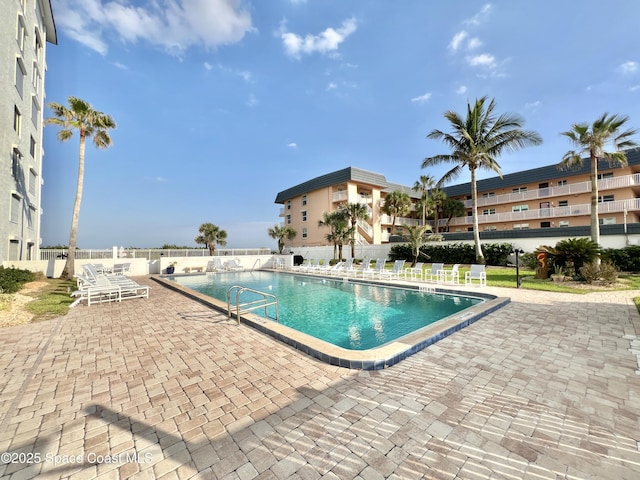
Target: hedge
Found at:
x=12, y=279
x=494, y=253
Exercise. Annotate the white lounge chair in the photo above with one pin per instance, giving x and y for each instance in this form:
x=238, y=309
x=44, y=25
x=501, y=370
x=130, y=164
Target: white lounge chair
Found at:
x=433, y=273
x=302, y=266
x=233, y=266
x=394, y=273
x=100, y=288
x=377, y=268
x=478, y=273
x=450, y=276
x=365, y=268
x=414, y=272
x=345, y=269
x=214, y=265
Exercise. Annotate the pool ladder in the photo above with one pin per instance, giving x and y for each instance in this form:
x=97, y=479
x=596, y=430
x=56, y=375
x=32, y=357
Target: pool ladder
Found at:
x=266, y=301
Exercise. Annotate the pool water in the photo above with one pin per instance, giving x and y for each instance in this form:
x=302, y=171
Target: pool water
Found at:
x=352, y=315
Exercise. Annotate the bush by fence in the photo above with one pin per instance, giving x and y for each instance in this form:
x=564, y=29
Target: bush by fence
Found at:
x=627, y=259
x=494, y=253
x=12, y=279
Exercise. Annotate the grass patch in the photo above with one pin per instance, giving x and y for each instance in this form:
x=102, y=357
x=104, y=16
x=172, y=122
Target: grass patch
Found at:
x=637, y=302
x=53, y=300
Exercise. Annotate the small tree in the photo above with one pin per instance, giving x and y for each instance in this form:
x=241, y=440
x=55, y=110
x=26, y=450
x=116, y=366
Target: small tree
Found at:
x=282, y=233
x=339, y=232
x=211, y=234
x=396, y=204
x=354, y=212
x=417, y=236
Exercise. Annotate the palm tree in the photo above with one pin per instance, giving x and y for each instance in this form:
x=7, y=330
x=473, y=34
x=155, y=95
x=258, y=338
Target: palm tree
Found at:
x=452, y=208
x=211, y=234
x=436, y=201
x=354, y=212
x=423, y=185
x=591, y=140
x=89, y=123
x=396, y=204
x=417, y=237
x=282, y=233
x=338, y=230
x=476, y=141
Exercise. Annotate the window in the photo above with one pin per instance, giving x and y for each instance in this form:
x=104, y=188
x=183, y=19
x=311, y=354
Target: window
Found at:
x=545, y=224
x=35, y=111
x=288, y=204
x=563, y=203
x=521, y=226
x=20, y=73
x=562, y=183
x=32, y=147
x=15, y=207
x=32, y=181
x=14, y=248
x=563, y=223
x=17, y=120
x=489, y=211
x=519, y=189
x=488, y=194
x=288, y=219
x=37, y=80
x=605, y=198
x=605, y=175
x=304, y=215
x=490, y=228
x=519, y=208
x=304, y=233
x=304, y=200
x=607, y=221
x=16, y=158
x=21, y=33
x=38, y=45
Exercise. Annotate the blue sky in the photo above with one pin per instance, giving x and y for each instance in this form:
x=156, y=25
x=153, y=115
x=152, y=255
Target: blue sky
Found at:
x=220, y=104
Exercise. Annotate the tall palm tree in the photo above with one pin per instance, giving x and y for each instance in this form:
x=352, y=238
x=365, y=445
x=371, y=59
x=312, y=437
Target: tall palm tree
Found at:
x=476, y=141
x=89, y=123
x=423, y=185
x=282, y=233
x=591, y=140
x=396, y=204
x=436, y=201
x=211, y=234
x=354, y=212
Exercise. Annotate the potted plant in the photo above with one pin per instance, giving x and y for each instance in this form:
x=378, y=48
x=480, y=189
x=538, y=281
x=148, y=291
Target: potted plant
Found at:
x=171, y=268
x=558, y=275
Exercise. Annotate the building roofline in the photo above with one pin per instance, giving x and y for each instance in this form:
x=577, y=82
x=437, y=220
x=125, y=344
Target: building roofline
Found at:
x=333, y=178
x=49, y=22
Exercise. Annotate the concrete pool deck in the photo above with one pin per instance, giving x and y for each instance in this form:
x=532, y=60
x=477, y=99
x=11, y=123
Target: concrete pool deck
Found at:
x=546, y=387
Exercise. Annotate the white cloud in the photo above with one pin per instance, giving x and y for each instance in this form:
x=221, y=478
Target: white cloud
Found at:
x=208, y=66
x=422, y=98
x=172, y=25
x=483, y=60
x=474, y=43
x=292, y=145
x=634, y=88
x=481, y=16
x=461, y=89
x=457, y=40
x=628, y=67
x=121, y=66
x=332, y=86
x=325, y=42
x=533, y=105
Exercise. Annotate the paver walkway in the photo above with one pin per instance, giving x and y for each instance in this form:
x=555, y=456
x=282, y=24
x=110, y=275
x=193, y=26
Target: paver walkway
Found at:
x=545, y=388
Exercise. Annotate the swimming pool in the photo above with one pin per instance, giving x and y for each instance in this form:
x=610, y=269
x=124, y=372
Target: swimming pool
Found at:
x=355, y=316
x=381, y=336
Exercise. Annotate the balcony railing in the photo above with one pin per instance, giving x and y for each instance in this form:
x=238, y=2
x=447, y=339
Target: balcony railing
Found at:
x=552, y=212
x=562, y=190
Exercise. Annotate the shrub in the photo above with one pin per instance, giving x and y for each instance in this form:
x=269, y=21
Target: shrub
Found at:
x=12, y=279
x=576, y=252
x=626, y=259
x=529, y=260
x=495, y=254
x=606, y=273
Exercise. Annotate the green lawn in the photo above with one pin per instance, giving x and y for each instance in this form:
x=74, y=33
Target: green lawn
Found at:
x=53, y=301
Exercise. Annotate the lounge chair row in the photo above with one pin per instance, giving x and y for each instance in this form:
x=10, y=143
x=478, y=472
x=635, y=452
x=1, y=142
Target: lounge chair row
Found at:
x=216, y=265
x=97, y=286
x=437, y=273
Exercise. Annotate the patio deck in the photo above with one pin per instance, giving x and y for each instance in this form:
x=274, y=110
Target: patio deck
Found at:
x=545, y=388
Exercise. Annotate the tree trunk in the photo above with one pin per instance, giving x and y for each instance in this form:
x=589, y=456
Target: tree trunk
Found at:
x=69, y=267
x=476, y=230
x=595, y=223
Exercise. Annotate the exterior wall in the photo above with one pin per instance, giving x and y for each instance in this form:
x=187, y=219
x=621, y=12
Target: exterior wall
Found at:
x=23, y=36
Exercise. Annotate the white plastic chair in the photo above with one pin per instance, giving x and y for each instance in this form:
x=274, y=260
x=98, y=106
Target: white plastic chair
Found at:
x=476, y=273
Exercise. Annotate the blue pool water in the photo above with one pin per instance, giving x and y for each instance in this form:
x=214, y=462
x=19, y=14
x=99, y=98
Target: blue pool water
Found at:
x=352, y=315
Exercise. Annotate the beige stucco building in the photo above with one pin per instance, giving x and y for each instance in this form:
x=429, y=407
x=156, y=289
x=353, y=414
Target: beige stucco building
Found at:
x=541, y=198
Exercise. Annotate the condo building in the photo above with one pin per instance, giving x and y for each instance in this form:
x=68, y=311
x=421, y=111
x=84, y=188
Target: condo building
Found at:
x=25, y=28
x=540, y=198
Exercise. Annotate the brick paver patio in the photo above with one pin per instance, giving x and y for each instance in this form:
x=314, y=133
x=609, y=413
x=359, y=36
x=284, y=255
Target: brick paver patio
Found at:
x=545, y=388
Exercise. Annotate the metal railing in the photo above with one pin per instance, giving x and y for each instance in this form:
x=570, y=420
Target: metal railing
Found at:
x=266, y=301
x=150, y=253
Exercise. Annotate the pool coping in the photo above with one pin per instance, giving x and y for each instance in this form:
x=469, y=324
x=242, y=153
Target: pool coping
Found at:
x=373, y=359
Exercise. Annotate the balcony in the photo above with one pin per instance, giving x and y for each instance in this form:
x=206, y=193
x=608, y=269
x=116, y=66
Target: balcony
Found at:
x=563, y=190
x=617, y=206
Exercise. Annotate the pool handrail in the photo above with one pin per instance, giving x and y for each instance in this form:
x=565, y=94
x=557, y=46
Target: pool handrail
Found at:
x=249, y=306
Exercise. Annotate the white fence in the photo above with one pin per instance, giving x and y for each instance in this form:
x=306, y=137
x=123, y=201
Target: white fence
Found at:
x=149, y=253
